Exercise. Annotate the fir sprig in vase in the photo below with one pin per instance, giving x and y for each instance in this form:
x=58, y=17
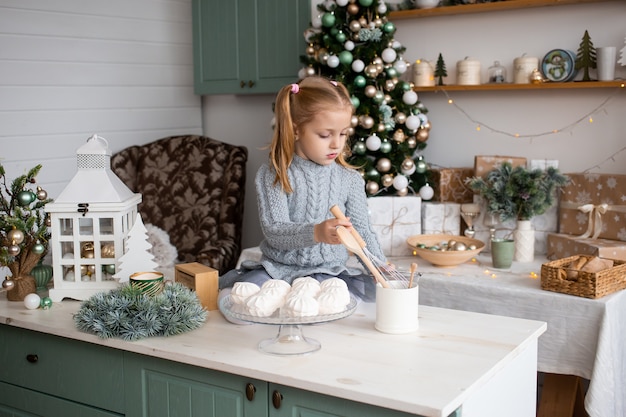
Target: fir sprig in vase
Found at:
x=519, y=194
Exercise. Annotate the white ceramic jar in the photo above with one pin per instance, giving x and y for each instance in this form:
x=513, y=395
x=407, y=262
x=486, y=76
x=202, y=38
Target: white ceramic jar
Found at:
x=423, y=73
x=468, y=72
x=523, y=68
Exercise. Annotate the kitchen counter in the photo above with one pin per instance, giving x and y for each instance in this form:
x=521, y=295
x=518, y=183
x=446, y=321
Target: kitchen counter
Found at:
x=456, y=360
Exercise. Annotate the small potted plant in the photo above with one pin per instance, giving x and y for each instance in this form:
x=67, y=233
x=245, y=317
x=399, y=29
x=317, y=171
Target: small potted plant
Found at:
x=23, y=231
x=519, y=194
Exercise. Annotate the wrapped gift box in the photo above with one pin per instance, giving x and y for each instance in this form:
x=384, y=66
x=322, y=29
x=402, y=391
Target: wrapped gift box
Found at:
x=563, y=245
x=485, y=163
x=441, y=218
x=394, y=220
x=449, y=185
x=594, y=205
x=543, y=224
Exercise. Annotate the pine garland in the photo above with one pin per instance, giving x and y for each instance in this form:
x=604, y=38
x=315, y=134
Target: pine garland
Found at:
x=130, y=315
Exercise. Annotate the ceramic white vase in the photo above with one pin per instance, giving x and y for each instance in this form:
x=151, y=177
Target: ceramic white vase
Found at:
x=524, y=236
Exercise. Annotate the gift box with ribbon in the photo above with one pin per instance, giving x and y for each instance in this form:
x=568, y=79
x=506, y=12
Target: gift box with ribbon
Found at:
x=449, y=184
x=594, y=206
x=394, y=220
x=562, y=246
x=441, y=218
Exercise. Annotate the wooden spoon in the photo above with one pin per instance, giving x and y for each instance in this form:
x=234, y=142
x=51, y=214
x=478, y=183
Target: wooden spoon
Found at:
x=353, y=246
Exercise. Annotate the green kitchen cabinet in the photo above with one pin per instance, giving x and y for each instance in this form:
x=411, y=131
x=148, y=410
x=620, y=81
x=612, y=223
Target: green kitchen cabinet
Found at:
x=247, y=46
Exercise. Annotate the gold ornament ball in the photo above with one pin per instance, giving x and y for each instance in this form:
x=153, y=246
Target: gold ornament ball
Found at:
x=13, y=250
x=371, y=187
x=354, y=121
x=367, y=122
x=400, y=118
x=353, y=9
x=310, y=50
x=363, y=22
x=383, y=165
x=408, y=164
x=310, y=71
x=386, y=180
x=41, y=194
x=402, y=192
x=381, y=127
x=427, y=126
x=389, y=85
x=399, y=136
x=411, y=142
x=16, y=236
x=422, y=135
x=370, y=91
x=355, y=26
x=371, y=71
x=8, y=284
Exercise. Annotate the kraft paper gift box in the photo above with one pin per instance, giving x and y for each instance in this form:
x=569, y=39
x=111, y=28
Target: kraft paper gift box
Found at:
x=394, y=220
x=594, y=205
x=441, y=218
x=449, y=185
x=563, y=245
x=485, y=163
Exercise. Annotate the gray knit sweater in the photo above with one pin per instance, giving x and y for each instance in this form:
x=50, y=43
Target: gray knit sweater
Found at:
x=287, y=220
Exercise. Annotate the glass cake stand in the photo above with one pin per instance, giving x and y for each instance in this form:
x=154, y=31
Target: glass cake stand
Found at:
x=290, y=339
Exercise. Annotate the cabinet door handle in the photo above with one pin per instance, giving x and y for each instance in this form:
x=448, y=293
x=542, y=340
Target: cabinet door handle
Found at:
x=32, y=358
x=251, y=83
x=242, y=84
x=277, y=398
x=250, y=391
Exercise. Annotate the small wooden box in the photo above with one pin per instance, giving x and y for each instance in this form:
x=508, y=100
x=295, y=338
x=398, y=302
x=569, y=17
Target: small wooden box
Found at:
x=202, y=279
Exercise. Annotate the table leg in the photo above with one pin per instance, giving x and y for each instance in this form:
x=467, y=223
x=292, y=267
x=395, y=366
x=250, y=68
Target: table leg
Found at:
x=561, y=396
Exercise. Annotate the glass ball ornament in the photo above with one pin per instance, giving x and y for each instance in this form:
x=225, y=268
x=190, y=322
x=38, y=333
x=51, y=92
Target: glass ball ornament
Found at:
x=385, y=146
x=391, y=72
x=341, y=3
x=354, y=120
x=379, y=97
x=400, y=118
x=301, y=75
x=41, y=194
x=400, y=66
x=46, y=303
x=422, y=135
x=353, y=9
x=402, y=192
x=411, y=142
x=333, y=61
x=389, y=27
x=386, y=180
x=310, y=50
x=389, y=55
x=109, y=269
x=360, y=81
x=399, y=136
x=328, y=19
x=389, y=85
x=426, y=192
x=383, y=165
x=25, y=197
x=371, y=71
x=366, y=3
x=310, y=71
x=420, y=165
x=38, y=248
x=16, y=236
x=406, y=86
x=371, y=187
x=345, y=57
x=354, y=26
x=423, y=118
x=408, y=167
x=372, y=174
x=412, y=122
x=370, y=91
x=359, y=148
x=373, y=143
x=382, y=8
x=32, y=301
x=13, y=250
x=8, y=284
x=382, y=127
x=367, y=122
x=427, y=125
x=340, y=36
x=355, y=102
x=358, y=65
x=316, y=21
x=409, y=97
x=400, y=182
x=349, y=46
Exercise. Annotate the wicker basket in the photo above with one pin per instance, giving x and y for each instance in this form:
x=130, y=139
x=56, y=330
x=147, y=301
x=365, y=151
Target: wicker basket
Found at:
x=587, y=284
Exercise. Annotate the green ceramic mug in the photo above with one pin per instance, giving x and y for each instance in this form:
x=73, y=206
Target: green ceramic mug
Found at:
x=149, y=283
x=502, y=251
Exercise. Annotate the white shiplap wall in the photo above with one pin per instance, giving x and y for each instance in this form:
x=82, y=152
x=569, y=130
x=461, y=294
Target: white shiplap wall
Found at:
x=70, y=68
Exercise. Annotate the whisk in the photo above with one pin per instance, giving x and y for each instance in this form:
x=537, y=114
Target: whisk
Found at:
x=353, y=241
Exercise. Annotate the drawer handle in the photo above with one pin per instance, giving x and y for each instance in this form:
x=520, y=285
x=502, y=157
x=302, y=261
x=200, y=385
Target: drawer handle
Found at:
x=242, y=84
x=250, y=391
x=32, y=358
x=251, y=83
x=277, y=398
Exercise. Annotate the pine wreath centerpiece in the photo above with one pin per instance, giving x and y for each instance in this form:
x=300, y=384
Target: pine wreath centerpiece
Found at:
x=23, y=231
x=353, y=42
x=127, y=313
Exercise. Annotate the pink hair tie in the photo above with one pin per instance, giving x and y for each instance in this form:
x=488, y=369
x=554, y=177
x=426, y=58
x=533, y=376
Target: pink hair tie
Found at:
x=295, y=88
x=334, y=83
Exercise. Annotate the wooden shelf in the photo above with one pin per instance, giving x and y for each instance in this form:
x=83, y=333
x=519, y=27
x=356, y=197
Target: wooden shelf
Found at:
x=508, y=86
x=481, y=8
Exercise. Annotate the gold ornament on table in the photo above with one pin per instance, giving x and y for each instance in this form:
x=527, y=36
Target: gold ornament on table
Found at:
x=23, y=231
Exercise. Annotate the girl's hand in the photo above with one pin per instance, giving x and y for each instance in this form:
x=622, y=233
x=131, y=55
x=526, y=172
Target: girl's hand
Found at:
x=326, y=231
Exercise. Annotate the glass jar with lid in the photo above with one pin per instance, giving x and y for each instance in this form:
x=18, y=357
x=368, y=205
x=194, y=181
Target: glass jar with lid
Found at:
x=497, y=73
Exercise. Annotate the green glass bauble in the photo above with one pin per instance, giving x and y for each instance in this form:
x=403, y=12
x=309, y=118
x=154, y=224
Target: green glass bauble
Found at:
x=341, y=37
x=38, y=248
x=46, y=303
x=25, y=197
x=360, y=81
x=366, y=3
x=392, y=72
x=385, y=146
x=345, y=57
x=42, y=274
x=389, y=27
x=328, y=19
x=359, y=148
x=355, y=102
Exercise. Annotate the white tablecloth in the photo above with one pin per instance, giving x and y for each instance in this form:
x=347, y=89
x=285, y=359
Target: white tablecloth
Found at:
x=585, y=337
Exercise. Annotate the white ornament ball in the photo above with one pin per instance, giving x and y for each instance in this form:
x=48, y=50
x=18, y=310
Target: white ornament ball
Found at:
x=400, y=182
x=302, y=73
x=342, y=3
x=333, y=61
x=358, y=65
x=389, y=55
x=349, y=45
x=382, y=7
x=412, y=122
x=409, y=97
x=316, y=22
x=400, y=66
x=373, y=143
x=426, y=192
x=32, y=301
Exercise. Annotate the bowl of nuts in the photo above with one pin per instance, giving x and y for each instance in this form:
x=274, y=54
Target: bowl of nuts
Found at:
x=445, y=250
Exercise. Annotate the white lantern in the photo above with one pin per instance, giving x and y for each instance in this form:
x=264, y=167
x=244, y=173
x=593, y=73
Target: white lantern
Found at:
x=89, y=224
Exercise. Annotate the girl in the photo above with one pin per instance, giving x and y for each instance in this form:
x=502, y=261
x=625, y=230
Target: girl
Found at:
x=306, y=175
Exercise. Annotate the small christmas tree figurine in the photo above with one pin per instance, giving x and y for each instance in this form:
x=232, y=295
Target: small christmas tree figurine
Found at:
x=137, y=257
x=586, y=56
x=440, y=70
x=353, y=42
x=23, y=231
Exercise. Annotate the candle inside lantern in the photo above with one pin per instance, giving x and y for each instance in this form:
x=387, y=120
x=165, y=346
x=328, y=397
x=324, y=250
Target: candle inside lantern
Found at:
x=523, y=68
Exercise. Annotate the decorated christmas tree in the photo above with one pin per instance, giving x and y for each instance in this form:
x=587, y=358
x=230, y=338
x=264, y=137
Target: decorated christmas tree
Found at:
x=352, y=41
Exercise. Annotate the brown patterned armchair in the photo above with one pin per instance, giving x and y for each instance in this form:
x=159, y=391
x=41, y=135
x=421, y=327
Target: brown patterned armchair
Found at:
x=193, y=188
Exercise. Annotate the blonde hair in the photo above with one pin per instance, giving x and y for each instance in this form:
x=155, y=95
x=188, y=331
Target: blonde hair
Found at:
x=297, y=105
